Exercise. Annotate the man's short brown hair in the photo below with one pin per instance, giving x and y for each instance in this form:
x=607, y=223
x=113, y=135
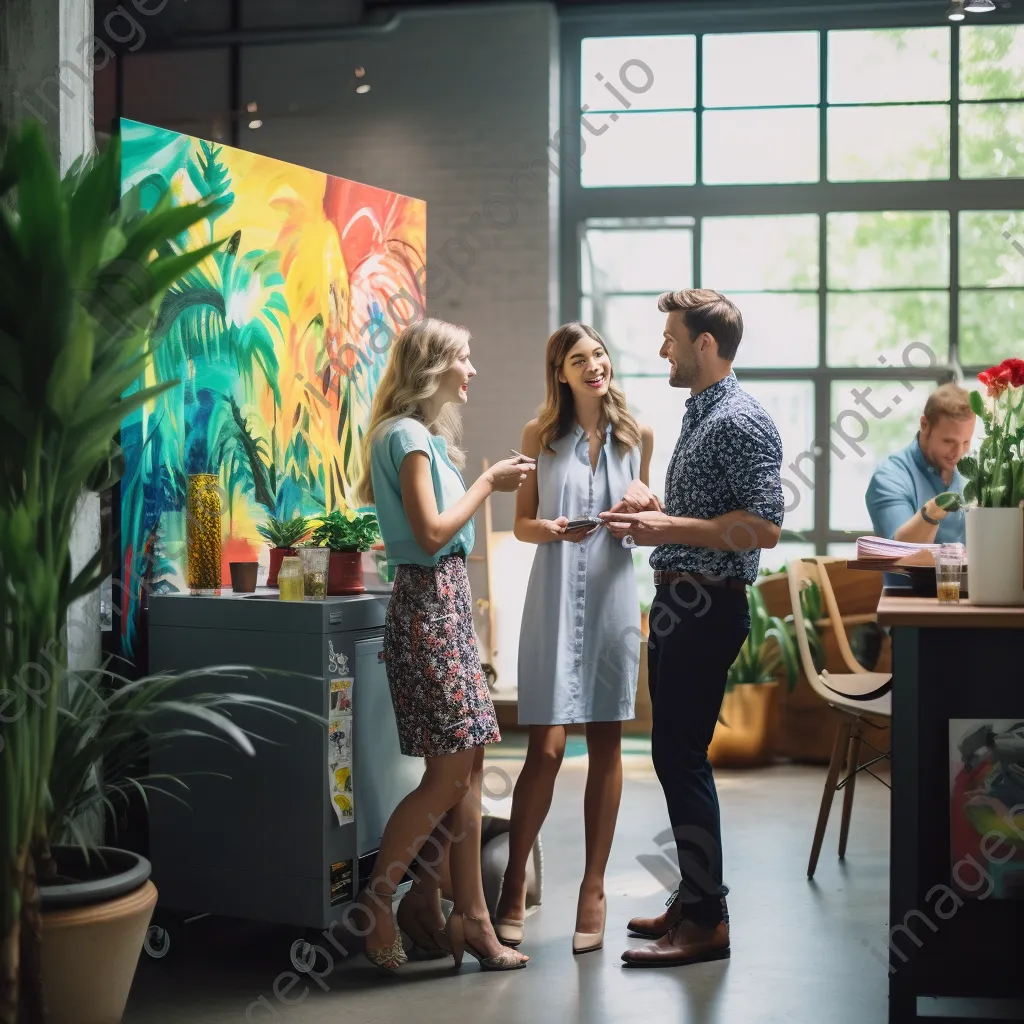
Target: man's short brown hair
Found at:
x=705, y=311
x=948, y=400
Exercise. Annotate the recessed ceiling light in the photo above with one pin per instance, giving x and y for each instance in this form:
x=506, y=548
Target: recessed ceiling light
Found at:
x=956, y=11
x=363, y=89
x=979, y=6
x=257, y=123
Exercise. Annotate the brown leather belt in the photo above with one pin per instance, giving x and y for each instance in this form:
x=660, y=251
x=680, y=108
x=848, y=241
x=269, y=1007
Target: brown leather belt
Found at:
x=664, y=577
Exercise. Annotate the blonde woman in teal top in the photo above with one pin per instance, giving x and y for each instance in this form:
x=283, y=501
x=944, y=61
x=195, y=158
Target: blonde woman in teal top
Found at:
x=442, y=706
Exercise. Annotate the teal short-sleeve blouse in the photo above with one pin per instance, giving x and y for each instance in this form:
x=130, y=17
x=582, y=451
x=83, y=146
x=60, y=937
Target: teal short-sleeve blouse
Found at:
x=388, y=451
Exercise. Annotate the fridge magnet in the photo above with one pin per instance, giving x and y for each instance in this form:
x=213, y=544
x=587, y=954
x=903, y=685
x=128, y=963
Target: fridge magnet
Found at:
x=341, y=697
x=339, y=767
x=341, y=882
x=337, y=664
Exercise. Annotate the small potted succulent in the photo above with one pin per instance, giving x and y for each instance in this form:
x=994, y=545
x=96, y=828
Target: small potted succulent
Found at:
x=348, y=533
x=283, y=535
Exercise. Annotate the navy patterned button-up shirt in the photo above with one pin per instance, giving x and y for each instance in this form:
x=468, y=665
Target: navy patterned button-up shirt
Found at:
x=728, y=458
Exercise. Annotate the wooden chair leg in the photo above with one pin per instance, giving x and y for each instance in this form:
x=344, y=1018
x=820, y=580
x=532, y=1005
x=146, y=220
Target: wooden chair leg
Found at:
x=851, y=780
x=839, y=749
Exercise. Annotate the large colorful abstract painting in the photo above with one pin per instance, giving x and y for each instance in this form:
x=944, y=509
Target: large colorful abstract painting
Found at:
x=277, y=343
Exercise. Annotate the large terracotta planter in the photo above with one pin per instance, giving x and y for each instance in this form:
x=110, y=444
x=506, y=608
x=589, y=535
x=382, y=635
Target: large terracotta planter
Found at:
x=747, y=741
x=93, y=931
x=345, y=573
x=995, y=556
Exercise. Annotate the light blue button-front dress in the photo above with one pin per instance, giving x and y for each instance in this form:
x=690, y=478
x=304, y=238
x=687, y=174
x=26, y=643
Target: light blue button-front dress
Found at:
x=579, y=648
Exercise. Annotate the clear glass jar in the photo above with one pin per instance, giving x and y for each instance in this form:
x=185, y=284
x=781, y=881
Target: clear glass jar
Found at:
x=315, y=565
x=289, y=579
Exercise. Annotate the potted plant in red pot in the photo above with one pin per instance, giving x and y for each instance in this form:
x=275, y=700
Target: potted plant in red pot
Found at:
x=282, y=535
x=348, y=533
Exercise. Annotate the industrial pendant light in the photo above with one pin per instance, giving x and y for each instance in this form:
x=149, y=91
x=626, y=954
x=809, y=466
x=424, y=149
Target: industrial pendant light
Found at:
x=956, y=11
x=979, y=6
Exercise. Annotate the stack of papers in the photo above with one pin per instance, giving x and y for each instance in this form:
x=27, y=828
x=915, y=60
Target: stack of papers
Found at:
x=883, y=550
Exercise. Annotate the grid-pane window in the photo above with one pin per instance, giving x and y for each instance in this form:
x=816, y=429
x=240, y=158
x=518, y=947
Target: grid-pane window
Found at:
x=637, y=120
x=827, y=179
x=761, y=125
x=991, y=114
x=889, y=93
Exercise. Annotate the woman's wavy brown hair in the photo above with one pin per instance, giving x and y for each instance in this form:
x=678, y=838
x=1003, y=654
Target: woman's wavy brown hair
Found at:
x=558, y=413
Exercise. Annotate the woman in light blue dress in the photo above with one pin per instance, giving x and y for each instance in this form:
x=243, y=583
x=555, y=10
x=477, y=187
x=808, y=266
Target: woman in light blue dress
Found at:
x=579, y=648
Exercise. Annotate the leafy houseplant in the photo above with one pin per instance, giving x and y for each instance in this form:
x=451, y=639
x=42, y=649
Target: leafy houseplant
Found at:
x=994, y=489
x=812, y=607
x=79, y=287
x=348, y=533
x=744, y=735
x=282, y=535
x=769, y=648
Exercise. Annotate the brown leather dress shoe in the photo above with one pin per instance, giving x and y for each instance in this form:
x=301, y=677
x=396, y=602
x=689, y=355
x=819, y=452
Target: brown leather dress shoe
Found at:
x=656, y=927
x=686, y=942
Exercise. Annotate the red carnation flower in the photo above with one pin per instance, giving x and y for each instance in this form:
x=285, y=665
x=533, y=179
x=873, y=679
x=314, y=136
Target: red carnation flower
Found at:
x=1016, y=370
x=997, y=379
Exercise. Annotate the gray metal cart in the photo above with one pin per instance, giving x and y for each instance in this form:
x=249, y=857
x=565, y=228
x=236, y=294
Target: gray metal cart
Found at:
x=285, y=836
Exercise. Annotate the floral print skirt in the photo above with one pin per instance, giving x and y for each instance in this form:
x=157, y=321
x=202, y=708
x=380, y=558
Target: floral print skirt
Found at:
x=437, y=685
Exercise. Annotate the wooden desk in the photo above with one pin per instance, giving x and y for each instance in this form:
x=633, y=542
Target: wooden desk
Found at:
x=949, y=662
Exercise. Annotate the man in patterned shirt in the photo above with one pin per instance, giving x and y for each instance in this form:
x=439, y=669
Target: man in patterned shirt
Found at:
x=723, y=503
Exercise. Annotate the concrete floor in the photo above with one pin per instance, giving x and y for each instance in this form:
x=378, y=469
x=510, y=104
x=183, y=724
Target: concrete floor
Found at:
x=801, y=951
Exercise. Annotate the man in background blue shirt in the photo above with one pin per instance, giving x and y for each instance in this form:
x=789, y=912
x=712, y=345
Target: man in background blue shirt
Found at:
x=907, y=497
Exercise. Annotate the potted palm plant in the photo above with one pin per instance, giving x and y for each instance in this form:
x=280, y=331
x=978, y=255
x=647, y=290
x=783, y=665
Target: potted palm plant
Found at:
x=283, y=535
x=96, y=901
x=743, y=736
x=79, y=288
x=994, y=489
x=348, y=533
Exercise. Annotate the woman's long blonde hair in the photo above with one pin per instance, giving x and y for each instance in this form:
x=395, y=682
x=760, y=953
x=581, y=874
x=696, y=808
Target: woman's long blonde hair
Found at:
x=420, y=356
x=558, y=414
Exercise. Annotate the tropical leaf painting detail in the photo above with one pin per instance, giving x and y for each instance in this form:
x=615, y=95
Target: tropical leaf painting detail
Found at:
x=270, y=340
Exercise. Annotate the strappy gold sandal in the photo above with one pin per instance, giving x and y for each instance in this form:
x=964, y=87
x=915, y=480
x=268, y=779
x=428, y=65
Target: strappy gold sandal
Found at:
x=389, y=958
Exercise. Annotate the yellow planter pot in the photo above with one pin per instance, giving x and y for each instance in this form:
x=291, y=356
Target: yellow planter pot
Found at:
x=747, y=741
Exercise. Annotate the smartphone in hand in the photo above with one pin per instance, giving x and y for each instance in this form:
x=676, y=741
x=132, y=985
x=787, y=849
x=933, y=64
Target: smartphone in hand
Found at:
x=579, y=524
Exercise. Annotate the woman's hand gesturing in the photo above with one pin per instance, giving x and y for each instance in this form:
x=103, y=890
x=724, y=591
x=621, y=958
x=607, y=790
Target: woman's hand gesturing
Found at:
x=508, y=474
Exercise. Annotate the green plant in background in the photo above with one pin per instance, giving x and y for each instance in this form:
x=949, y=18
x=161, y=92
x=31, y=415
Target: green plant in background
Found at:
x=284, y=533
x=347, y=531
x=769, y=648
x=79, y=287
x=114, y=721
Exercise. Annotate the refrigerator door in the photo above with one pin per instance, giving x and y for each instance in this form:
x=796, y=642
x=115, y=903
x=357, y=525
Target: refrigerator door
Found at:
x=381, y=776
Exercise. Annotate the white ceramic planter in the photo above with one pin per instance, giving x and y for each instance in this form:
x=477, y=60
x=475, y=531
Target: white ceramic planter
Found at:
x=995, y=556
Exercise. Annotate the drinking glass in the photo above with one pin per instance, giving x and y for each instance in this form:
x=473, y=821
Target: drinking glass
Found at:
x=949, y=567
x=315, y=563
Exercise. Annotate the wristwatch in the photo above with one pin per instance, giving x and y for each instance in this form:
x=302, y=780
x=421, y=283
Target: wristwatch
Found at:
x=927, y=518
